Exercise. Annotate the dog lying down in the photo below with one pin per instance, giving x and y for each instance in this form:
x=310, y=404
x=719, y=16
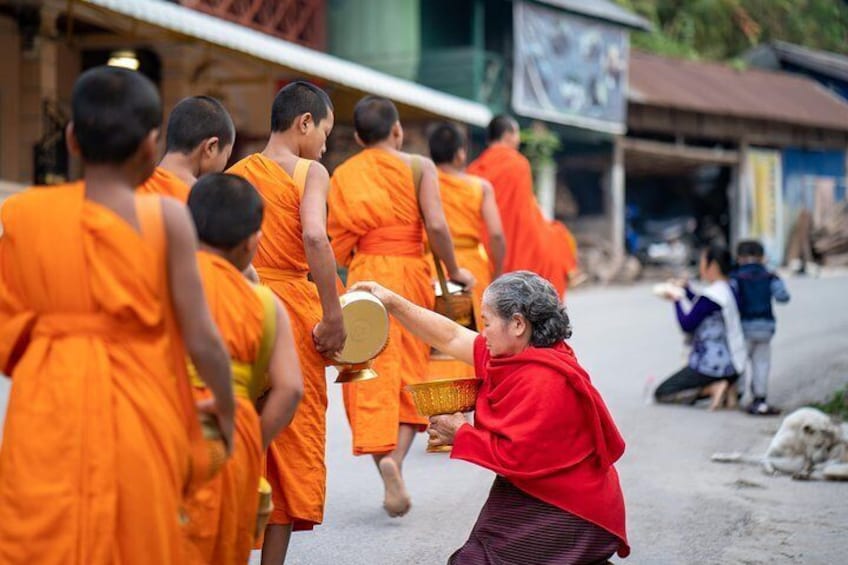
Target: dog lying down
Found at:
x=809, y=445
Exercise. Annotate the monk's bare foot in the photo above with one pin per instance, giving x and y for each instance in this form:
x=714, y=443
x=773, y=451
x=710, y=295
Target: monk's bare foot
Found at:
x=396, y=500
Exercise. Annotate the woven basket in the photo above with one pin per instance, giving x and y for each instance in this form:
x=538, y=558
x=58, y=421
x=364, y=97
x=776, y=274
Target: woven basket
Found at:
x=444, y=396
x=460, y=310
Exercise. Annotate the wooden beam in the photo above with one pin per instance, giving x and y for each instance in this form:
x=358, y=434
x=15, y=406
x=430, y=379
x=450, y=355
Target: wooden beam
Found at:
x=683, y=152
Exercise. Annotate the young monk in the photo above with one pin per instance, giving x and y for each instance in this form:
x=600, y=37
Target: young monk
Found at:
x=376, y=229
x=471, y=212
x=99, y=290
x=295, y=244
x=227, y=211
x=533, y=243
x=199, y=140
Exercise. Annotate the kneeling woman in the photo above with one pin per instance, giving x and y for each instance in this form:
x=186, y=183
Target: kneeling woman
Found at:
x=718, y=354
x=539, y=424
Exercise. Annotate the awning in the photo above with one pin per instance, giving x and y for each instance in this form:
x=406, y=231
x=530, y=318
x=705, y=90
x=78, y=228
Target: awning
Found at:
x=213, y=30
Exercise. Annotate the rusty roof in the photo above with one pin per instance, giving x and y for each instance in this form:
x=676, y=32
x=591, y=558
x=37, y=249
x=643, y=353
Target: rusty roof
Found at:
x=714, y=88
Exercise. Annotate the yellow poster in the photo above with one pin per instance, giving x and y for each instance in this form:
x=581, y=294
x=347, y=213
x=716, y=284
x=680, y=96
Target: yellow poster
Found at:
x=762, y=219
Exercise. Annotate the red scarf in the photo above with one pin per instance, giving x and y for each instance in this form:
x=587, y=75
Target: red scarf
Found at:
x=541, y=424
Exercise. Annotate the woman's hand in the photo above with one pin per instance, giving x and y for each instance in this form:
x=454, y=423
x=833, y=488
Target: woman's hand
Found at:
x=443, y=428
x=383, y=294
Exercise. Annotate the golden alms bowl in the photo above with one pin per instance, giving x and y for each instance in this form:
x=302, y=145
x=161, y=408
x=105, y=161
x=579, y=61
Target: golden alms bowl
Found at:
x=366, y=323
x=445, y=396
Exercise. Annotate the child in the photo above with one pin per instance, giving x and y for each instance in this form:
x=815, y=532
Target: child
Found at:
x=757, y=287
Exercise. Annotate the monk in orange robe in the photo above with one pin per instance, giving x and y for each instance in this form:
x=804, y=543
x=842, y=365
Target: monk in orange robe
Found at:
x=533, y=243
x=94, y=282
x=199, y=140
x=376, y=229
x=294, y=249
x=227, y=211
x=471, y=211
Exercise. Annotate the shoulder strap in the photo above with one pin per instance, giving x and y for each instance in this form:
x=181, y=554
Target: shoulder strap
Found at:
x=417, y=174
x=269, y=335
x=301, y=168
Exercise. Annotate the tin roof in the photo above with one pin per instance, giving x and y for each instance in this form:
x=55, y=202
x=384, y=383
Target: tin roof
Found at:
x=240, y=39
x=602, y=10
x=713, y=88
x=770, y=54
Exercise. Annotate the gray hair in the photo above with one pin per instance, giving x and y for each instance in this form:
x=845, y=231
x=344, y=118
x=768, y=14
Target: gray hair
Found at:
x=528, y=294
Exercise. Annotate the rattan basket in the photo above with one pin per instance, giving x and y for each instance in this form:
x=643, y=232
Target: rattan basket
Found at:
x=215, y=444
x=444, y=396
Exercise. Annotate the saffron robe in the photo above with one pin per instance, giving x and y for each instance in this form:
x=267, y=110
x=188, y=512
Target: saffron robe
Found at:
x=222, y=512
x=165, y=183
x=532, y=242
x=95, y=447
x=295, y=466
x=541, y=424
x=377, y=232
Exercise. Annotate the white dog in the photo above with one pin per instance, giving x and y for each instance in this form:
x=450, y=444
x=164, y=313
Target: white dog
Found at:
x=808, y=445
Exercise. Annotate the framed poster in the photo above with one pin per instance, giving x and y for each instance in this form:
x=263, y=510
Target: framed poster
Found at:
x=569, y=70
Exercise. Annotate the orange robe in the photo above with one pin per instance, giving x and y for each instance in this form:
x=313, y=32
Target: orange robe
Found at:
x=295, y=461
x=165, y=183
x=462, y=201
x=377, y=231
x=532, y=242
x=94, y=452
x=222, y=512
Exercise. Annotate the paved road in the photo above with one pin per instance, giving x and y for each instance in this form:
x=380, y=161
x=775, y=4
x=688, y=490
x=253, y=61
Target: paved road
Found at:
x=681, y=507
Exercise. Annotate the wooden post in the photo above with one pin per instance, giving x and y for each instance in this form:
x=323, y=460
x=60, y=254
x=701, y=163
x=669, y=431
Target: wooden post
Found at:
x=736, y=195
x=616, y=200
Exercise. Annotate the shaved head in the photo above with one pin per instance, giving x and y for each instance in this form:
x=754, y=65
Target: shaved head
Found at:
x=373, y=119
x=500, y=126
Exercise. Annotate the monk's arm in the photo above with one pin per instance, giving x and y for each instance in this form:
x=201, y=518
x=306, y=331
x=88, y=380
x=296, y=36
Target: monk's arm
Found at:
x=285, y=379
x=492, y=219
x=438, y=233
x=203, y=342
x=434, y=329
x=322, y=262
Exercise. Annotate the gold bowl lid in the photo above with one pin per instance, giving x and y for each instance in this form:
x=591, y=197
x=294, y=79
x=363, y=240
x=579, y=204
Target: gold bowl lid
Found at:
x=366, y=324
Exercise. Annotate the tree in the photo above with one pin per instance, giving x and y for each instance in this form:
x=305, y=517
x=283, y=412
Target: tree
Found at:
x=725, y=29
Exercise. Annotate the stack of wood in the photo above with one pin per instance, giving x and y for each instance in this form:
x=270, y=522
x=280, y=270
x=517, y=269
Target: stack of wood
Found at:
x=830, y=237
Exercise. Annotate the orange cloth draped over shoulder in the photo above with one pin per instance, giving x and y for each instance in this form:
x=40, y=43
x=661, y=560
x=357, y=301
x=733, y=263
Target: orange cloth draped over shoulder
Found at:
x=532, y=242
x=462, y=201
x=94, y=454
x=295, y=467
x=165, y=183
x=222, y=512
x=376, y=230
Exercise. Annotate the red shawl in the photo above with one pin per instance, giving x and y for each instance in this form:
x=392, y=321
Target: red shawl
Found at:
x=541, y=424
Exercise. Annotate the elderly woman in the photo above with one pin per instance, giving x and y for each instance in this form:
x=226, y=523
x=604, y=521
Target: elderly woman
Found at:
x=539, y=424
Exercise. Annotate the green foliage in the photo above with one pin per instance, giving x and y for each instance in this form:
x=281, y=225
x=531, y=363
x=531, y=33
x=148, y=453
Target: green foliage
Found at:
x=837, y=405
x=539, y=144
x=725, y=29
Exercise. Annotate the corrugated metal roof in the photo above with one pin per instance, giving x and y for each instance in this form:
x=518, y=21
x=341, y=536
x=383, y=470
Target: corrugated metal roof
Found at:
x=824, y=62
x=602, y=10
x=713, y=88
x=216, y=31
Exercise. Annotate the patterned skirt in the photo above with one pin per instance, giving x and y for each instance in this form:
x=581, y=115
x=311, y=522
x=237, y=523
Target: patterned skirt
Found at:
x=515, y=528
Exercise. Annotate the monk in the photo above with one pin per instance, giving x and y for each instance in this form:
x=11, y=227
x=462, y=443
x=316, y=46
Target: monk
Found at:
x=227, y=211
x=376, y=230
x=199, y=140
x=533, y=243
x=100, y=298
x=295, y=259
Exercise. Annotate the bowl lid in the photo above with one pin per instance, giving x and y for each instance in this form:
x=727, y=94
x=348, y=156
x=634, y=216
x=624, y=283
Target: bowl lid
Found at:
x=366, y=324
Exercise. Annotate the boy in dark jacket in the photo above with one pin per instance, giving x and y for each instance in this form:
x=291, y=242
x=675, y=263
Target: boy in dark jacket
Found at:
x=757, y=287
